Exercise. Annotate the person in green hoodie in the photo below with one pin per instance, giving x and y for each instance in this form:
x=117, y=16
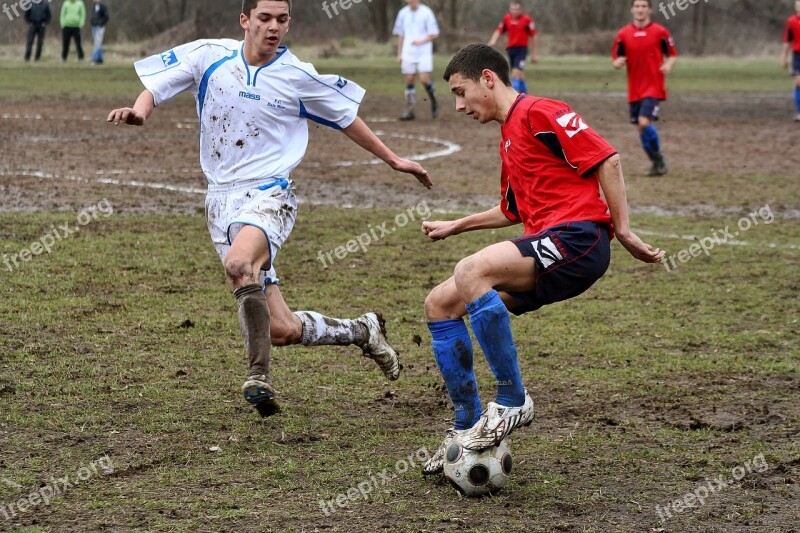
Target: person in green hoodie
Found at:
x=73, y=17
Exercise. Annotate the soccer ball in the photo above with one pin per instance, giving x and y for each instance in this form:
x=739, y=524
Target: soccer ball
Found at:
x=477, y=473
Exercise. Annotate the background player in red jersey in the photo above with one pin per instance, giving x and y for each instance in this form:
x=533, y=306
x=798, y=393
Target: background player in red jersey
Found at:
x=553, y=167
x=521, y=31
x=791, y=44
x=649, y=53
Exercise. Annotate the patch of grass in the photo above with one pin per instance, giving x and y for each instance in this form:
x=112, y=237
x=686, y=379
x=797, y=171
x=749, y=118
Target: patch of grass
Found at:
x=631, y=381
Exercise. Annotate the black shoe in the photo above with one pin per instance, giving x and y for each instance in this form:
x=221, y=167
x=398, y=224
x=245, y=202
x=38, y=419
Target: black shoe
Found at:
x=408, y=115
x=659, y=168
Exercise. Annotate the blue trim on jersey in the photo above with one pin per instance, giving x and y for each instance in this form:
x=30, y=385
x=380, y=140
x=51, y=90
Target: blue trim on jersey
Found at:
x=252, y=80
x=319, y=120
x=262, y=67
x=186, y=54
x=323, y=83
x=204, y=82
x=283, y=183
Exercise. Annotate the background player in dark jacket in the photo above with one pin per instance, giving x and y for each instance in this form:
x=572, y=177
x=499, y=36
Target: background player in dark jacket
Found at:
x=37, y=16
x=648, y=51
x=791, y=45
x=99, y=21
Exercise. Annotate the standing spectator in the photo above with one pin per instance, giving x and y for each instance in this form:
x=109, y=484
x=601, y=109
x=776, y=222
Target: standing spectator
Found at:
x=73, y=17
x=648, y=51
x=791, y=43
x=416, y=29
x=521, y=31
x=99, y=21
x=38, y=17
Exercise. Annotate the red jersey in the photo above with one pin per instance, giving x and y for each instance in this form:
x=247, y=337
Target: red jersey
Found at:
x=519, y=30
x=550, y=158
x=792, y=33
x=645, y=49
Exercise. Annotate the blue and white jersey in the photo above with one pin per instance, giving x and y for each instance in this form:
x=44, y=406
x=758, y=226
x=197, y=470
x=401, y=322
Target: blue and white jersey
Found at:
x=412, y=25
x=253, y=119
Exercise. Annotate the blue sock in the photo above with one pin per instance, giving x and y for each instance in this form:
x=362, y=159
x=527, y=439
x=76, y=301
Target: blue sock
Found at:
x=523, y=87
x=492, y=326
x=797, y=98
x=651, y=142
x=452, y=348
x=517, y=85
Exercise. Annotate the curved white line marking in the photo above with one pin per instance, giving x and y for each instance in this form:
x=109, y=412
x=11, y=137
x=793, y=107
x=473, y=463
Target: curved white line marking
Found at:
x=695, y=238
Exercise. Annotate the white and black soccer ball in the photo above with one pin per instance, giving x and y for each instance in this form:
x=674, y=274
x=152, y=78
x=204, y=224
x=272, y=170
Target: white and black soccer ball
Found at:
x=477, y=473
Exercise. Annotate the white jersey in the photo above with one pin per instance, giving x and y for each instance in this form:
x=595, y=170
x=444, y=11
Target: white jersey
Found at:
x=413, y=25
x=253, y=120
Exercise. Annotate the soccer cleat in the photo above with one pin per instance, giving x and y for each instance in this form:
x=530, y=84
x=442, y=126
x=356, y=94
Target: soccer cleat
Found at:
x=496, y=423
x=408, y=115
x=797, y=117
x=661, y=167
x=435, y=464
x=259, y=393
x=377, y=347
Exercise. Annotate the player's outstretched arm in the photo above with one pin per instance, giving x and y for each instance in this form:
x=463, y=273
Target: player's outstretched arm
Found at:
x=136, y=115
x=787, y=49
x=436, y=230
x=610, y=175
x=360, y=133
x=495, y=37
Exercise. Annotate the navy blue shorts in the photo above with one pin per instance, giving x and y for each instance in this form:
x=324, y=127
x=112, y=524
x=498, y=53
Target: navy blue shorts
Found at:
x=569, y=259
x=517, y=56
x=647, y=108
x=795, y=63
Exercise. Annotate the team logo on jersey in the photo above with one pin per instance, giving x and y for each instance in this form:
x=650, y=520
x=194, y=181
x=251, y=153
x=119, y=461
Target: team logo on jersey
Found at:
x=573, y=123
x=508, y=145
x=341, y=83
x=547, y=252
x=249, y=96
x=169, y=58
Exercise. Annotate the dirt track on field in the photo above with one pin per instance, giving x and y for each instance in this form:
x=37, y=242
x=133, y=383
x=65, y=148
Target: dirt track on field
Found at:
x=61, y=155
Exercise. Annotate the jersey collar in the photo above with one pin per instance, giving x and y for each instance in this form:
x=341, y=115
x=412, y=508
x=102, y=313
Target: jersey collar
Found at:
x=519, y=99
x=252, y=80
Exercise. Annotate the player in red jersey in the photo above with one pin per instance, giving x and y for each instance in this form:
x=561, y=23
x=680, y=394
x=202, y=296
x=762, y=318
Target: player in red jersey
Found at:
x=521, y=31
x=649, y=53
x=791, y=44
x=553, y=169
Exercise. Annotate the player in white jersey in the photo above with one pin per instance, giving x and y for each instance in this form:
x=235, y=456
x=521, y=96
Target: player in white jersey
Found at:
x=416, y=28
x=254, y=99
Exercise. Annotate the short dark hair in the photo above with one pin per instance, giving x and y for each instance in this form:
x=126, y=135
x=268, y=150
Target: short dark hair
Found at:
x=249, y=5
x=473, y=59
x=649, y=3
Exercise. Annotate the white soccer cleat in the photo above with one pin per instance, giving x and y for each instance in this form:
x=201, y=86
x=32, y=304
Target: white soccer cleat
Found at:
x=435, y=464
x=496, y=423
x=377, y=347
x=259, y=392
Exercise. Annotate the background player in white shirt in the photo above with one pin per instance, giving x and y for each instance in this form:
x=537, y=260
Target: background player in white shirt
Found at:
x=416, y=28
x=254, y=100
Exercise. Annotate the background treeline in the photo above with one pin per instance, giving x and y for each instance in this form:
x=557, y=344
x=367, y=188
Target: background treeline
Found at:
x=710, y=27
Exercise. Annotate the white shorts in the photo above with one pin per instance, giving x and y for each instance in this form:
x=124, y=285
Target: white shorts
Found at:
x=269, y=205
x=424, y=65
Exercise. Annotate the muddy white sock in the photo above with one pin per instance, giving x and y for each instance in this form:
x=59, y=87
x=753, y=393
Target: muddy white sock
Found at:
x=254, y=321
x=319, y=330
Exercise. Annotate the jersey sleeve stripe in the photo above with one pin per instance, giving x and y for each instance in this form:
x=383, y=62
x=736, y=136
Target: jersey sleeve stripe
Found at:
x=204, y=82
